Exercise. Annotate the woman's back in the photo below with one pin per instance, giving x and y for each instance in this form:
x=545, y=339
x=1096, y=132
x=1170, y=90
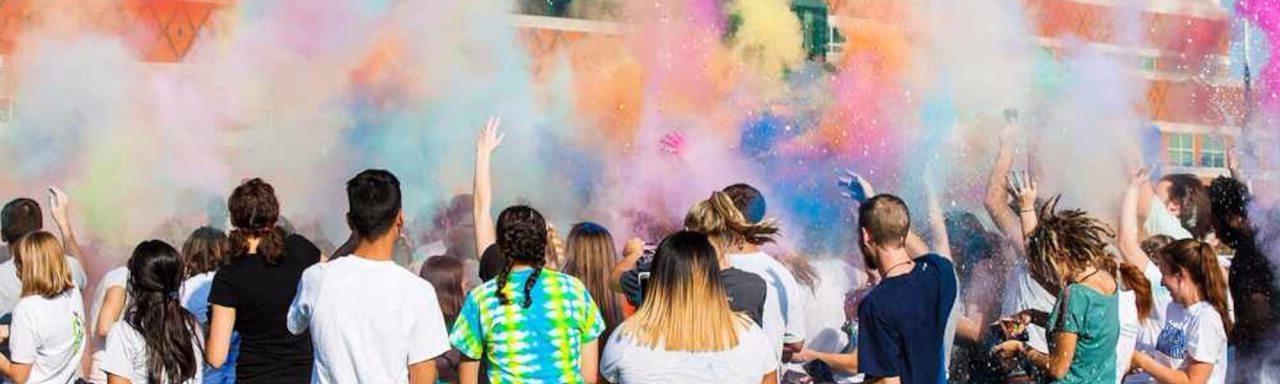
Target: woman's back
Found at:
x=541, y=342
x=261, y=293
x=49, y=334
x=627, y=361
x=1085, y=310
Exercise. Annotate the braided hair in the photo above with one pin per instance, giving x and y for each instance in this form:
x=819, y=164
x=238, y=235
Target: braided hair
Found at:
x=521, y=237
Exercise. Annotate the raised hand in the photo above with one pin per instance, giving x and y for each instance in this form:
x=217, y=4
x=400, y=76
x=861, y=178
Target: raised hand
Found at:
x=672, y=144
x=490, y=138
x=854, y=186
x=1140, y=177
x=1023, y=189
x=58, y=205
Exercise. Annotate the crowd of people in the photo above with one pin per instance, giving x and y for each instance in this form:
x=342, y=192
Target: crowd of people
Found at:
x=1051, y=294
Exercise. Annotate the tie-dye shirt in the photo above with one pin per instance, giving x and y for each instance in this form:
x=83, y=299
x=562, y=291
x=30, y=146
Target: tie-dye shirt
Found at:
x=540, y=344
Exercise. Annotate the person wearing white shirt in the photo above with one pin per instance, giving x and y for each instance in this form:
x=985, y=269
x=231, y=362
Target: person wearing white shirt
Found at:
x=1192, y=346
x=206, y=250
x=685, y=332
x=157, y=341
x=47, y=336
x=22, y=216
x=371, y=321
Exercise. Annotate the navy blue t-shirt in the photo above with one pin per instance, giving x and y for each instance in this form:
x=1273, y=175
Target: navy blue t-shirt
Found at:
x=903, y=323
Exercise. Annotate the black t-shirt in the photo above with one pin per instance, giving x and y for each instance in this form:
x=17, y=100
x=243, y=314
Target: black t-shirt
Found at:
x=746, y=291
x=261, y=295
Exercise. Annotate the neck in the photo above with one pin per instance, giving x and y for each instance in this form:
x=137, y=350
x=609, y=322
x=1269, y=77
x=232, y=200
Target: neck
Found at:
x=380, y=249
x=891, y=261
x=748, y=248
x=1191, y=298
x=253, y=244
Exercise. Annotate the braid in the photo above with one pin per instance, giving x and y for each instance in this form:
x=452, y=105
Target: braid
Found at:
x=528, y=284
x=502, y=282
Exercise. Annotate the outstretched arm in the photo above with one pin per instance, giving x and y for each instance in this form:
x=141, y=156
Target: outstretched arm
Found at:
x=486, y=144
x=60, y=206
x=996, y=199
x=1024, y=191
x=1127, y=239
x=937, y=221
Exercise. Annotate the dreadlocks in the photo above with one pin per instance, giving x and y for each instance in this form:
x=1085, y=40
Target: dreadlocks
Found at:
x=1065, y=243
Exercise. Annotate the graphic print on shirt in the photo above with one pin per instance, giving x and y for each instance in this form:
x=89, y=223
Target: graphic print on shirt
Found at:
x=1172, y=342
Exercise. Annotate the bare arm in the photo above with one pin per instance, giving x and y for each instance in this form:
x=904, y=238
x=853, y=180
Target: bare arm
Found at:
x=481, y=212
x=937, y=222
x=996, y=199
x=468, y=371
x=113, y=379
x=17, y=372
x=631, y=253
x=423, y=372
x=1196, y=373
x=222, y=321
x=1024, y=190
x=60, y=206
x=589, y=356
x=1058, y=361
x=770, y=378
x=1127, y=239
x=915, y=245
x=843, y=362
x=112, y=306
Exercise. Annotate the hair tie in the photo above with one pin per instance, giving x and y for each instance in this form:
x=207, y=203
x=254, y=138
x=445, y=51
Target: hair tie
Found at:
x=172, y=294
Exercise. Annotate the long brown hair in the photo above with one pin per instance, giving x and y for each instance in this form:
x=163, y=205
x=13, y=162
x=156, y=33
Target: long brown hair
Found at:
x=42, y=266
x=255, y=214
x=720, y=219
x=590, y=257
x=445, y=275
x=1198, y=260
x=685, y=308
x=1192, y=197
x=205, y=251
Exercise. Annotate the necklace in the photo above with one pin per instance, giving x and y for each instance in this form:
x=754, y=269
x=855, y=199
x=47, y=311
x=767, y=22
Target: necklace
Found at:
x=895, y=266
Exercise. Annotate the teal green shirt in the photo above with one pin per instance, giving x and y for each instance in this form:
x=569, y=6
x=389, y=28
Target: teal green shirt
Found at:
x=1095, y=319
x=539, y=344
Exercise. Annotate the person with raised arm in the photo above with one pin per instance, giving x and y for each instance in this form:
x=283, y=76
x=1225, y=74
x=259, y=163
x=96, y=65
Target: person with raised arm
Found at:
x=22, y=216
x=1192, y=347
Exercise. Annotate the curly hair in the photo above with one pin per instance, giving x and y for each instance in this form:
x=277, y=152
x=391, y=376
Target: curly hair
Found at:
x=1230, y=201
x=255, y=214
x=1067, y=242
x=521, y=236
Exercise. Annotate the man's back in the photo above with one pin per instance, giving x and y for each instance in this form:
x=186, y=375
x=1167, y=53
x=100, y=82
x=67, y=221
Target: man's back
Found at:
x=369, y=320
x=784, y=302
x=903, y=323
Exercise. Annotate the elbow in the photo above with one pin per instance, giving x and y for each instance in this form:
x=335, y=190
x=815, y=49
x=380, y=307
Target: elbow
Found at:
x=103, y=329
x=214, y=359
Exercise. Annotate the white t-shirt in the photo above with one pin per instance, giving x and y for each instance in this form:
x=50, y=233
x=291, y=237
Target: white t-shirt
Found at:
x=49, y=335
x=369, y=320
x=1130, y=327
x=783, y=317
x=626, y=362
x=125, y=355
x=1195, y=333
x=1021, y=293
x=1161, y=222
x=1148, y=330
x=11, y=287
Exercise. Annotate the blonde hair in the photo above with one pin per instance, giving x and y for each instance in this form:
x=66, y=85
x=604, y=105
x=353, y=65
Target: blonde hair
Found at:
x=685, y=307
x=43, y=268
x=720, y=220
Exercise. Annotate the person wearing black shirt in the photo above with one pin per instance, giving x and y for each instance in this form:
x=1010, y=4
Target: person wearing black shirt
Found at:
x=252, y=294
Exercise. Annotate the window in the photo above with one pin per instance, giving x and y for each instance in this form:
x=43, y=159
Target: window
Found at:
x=1181, y=150
x=1213, y=152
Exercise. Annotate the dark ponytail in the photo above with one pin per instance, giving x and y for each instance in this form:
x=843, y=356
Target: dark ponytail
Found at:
x=254, y=214
x=1199, y=260
x=521, y=237
x=155, y=312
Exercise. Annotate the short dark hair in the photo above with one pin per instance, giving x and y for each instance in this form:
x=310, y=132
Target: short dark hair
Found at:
x=374, y=200
x=748, y=200
x=18, y=218
x=886, y=219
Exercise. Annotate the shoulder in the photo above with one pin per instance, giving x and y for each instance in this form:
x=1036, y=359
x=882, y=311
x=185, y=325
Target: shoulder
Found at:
x=301, y=247
x=561, y=278
x=1204, y=315
x=117, y=276
x=936, y=261
x=738, y=277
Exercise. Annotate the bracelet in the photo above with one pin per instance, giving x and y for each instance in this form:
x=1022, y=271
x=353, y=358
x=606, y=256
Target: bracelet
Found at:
x=1022, y=211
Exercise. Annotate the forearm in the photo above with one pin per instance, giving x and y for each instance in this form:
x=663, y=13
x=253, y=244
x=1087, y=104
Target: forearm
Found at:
x=996, y=202
x=69, y=242
x=1160, y=372
x=843, y=362
x=1127, y=238
x=482, y=204
x=628, y=263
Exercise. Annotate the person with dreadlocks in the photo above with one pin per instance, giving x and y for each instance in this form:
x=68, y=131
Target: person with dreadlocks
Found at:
x=529, y=323
x=1066, y=254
